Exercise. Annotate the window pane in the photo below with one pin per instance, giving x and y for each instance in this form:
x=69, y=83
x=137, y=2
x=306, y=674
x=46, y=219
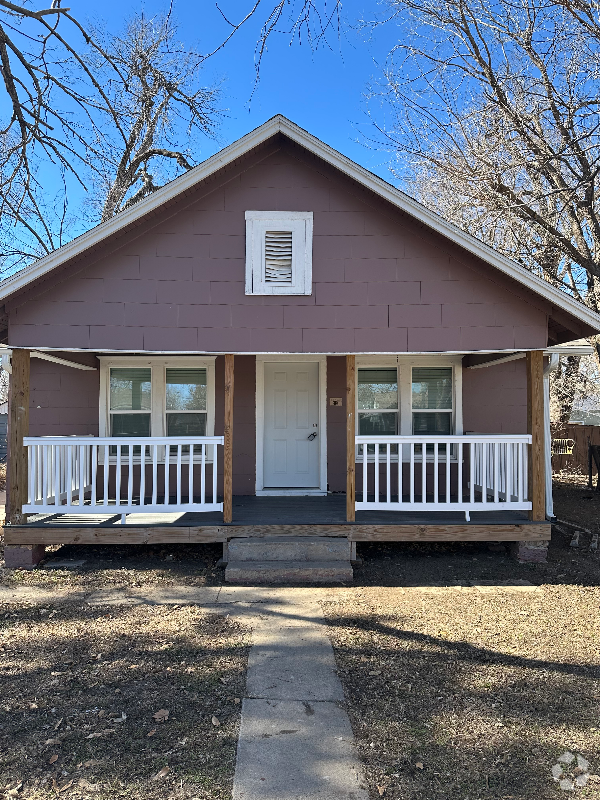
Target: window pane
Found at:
x=130, y=424
x=186, y=424
x=430, y=424
x=130, y=389
x=432, y=387
x=377, y=424
x=186, y=390
x=377, y=388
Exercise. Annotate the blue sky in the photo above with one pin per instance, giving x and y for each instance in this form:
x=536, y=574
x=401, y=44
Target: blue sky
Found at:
x=322, y=91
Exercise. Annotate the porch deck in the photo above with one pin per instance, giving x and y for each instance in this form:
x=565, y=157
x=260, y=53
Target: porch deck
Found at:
x=276, y=516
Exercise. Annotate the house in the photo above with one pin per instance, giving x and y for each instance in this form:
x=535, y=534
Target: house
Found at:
x=279, y=343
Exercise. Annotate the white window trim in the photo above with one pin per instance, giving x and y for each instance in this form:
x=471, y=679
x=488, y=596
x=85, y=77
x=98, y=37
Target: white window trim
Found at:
x=301, y=225
x=405, y=409
x=260, y=425
x=158, y=408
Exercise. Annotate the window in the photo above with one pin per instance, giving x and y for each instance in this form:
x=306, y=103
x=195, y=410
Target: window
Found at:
x=161, y=397
x=186, y=402
x=279, y=252
x=407, y=398
x=130, y=402
x=432, y=400
x=377, y=402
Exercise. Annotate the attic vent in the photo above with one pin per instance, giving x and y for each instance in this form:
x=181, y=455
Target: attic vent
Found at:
x=278, y=257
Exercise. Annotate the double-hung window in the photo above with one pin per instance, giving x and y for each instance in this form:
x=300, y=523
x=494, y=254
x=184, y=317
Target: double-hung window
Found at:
x=377, y=400
x=161, y=398
x=130, y=401
x=405, y=400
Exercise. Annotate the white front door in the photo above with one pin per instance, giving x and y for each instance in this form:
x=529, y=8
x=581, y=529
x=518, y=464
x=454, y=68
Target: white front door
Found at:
x=291, y=444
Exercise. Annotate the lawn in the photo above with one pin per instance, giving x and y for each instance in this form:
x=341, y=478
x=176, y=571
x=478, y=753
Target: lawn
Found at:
x=139, y=702
x=456, y=689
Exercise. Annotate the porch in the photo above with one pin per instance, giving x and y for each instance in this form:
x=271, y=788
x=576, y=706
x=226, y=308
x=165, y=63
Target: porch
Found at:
x=109, y=489
x=276, y=516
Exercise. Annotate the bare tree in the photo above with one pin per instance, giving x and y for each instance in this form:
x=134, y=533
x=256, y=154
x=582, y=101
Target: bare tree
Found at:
x=163, y=105
x=497, y=127
x=77, y=100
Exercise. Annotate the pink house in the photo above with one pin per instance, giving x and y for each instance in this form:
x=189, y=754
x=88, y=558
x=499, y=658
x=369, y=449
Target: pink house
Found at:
x=279, y=343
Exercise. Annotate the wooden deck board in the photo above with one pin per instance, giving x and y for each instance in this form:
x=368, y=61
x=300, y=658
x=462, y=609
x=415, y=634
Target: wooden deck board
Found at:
x=278, y=516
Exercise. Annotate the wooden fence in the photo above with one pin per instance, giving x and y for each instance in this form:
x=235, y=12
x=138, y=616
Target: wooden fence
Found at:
x=582, y=435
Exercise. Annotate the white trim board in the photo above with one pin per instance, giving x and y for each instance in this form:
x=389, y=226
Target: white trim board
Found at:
x=280, y=124
x=260, y=425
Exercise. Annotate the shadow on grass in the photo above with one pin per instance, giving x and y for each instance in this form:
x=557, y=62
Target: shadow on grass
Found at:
x=69, y=673
x=454, y=719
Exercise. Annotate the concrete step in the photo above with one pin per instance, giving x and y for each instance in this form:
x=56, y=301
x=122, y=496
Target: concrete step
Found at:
x=251, y=572
x=289, y=548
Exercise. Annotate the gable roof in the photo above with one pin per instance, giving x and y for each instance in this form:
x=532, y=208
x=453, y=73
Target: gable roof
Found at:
x=281, y=125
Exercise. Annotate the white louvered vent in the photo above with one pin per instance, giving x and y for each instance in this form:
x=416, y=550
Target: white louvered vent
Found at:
x=278, y=257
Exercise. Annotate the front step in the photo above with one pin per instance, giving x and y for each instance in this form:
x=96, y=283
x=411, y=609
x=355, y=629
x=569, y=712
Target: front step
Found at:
x=253, y=572
x=289, y=548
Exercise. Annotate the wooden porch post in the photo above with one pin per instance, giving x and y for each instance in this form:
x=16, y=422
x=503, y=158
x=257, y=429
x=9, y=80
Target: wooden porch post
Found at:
x=535, y=426
x=228, y=454
x=350, y=434
x=18, y=427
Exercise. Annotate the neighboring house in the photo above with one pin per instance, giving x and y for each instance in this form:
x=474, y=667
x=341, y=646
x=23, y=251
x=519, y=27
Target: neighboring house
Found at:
x=259, y=345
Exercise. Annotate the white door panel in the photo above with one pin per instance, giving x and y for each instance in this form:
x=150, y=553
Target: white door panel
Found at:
x=291, y=459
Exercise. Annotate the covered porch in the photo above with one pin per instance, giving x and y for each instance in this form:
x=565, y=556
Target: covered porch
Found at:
x=69, y=489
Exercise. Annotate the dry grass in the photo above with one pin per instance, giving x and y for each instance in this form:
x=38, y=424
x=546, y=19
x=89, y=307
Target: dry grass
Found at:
x=461, y=695
x=70, y=672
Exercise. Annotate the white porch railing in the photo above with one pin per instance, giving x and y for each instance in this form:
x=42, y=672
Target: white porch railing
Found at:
x=462, y=473
x=124, y=475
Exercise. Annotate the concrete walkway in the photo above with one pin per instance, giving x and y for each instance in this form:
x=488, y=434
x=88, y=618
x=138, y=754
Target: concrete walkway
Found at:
x=295, y=740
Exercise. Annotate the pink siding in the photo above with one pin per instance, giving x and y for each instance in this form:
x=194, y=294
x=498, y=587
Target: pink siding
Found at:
x=64, y=401
x=495, y=398
x=382, y=282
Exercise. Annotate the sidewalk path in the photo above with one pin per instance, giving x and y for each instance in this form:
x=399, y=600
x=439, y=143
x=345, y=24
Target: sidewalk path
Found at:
x=295, y=740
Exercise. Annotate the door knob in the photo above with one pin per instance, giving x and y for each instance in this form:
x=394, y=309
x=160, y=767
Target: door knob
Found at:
x=312, y=436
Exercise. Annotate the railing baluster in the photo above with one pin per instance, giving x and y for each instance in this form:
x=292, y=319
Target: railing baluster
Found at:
x=400, y=476
x=214, y=475
x=69, y=481
x=423, y=472
x=118, y=477
x=154, y=474
x=484, y=462
x=82, y=462
x=496, y=471
x=30, y=476
x=448, y=475
x=436, y=477
x=376, y=473
x=509, y=473
x=94, y=478
x=365, y=475
x=179, y=474
x=473, y=455
x=142, y=474
x=459, y=488
x=130, y=476
x=57, y=471
x=167, y=475
x=45, y=482
x=191, y=474
x=412, y=473
x=106, y=473
x=203, y=475
x=388, y=473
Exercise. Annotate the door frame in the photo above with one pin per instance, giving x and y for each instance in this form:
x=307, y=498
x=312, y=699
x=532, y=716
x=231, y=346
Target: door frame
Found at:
x=260, y=424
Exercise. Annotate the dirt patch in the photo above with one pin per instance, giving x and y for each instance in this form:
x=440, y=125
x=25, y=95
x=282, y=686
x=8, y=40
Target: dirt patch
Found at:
x=85, y=696
x=455, y=694
x=118, y=565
